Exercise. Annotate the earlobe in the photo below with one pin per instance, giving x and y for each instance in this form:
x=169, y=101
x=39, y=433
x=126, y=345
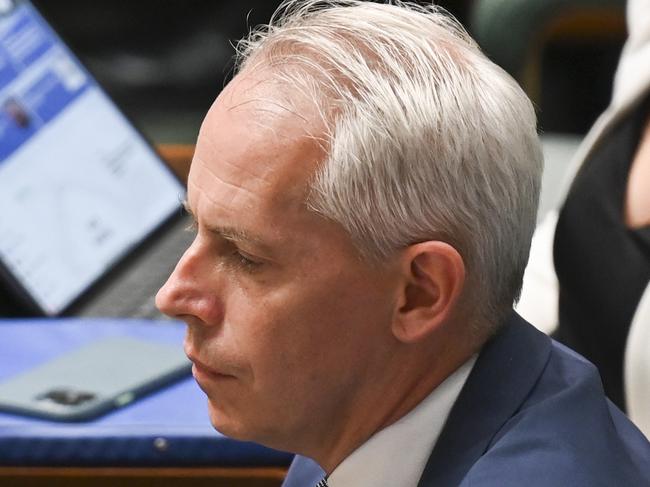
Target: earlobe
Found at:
x=434, y=277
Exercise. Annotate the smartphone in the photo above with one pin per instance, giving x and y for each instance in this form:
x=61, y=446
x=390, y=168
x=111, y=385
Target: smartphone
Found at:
x=94, y=379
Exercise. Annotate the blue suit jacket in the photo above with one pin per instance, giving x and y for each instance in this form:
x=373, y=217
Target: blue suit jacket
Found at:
x=532, y=413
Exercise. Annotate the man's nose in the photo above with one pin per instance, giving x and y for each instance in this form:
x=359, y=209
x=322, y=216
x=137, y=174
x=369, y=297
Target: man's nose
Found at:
x=189, y=291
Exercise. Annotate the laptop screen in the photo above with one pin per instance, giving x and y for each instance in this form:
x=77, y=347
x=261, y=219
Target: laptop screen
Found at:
x=79, y=187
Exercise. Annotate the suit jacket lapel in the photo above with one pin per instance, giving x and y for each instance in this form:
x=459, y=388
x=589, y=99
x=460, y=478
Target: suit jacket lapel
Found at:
x=504, y=374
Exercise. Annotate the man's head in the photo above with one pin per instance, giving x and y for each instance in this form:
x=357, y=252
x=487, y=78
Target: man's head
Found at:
x=426, y=138
x=365, y=190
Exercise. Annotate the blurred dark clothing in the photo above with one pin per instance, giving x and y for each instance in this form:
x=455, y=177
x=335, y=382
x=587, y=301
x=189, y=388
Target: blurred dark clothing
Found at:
x=603, y=267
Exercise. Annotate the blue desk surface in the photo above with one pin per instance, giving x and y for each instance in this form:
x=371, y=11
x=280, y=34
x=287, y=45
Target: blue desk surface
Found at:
x=167, y=428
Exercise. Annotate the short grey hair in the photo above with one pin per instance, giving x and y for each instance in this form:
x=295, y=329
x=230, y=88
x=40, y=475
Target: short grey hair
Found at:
x=427, y=139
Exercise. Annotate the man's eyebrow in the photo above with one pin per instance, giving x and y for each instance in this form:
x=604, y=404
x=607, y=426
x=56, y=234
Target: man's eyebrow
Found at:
x=231, y=234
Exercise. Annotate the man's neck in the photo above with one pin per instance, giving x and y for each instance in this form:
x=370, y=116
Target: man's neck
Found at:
x=394, y=394
x=408, y=442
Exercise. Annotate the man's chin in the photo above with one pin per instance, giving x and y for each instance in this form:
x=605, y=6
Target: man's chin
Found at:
x=227, y=425
x=237, y=428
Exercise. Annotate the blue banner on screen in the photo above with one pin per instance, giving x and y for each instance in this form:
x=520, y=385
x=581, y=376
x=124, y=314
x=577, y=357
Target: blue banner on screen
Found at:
x=38, y=79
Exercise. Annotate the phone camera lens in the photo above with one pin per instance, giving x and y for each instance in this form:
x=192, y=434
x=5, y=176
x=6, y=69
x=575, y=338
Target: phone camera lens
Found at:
x=67, y=397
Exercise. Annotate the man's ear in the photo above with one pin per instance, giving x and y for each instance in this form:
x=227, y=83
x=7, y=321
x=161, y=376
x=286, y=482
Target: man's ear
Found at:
x=433, y=279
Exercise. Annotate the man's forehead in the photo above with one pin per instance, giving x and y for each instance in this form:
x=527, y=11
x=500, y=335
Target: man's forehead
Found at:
x=254, y=150
x=255, y=127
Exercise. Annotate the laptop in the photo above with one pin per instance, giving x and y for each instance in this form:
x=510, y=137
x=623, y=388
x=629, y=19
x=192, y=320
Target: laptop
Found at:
x=91, y=219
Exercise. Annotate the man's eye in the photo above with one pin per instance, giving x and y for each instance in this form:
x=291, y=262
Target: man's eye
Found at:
x=246, y=263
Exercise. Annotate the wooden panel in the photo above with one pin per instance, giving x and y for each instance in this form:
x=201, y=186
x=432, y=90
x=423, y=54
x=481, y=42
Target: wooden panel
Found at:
x=588, y=24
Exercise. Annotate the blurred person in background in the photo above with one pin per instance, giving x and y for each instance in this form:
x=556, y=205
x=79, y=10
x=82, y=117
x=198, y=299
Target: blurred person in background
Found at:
x=588, y=274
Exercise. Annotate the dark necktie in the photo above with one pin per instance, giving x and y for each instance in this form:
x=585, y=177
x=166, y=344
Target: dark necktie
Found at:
x=322, y=483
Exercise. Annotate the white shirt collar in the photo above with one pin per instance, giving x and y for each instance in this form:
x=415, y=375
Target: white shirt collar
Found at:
x=398, y=454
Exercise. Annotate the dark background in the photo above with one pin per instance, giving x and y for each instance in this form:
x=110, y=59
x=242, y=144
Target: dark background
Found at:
x=164, y=61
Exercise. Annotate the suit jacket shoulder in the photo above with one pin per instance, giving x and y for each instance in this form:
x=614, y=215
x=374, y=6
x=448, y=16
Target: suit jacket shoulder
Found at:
x=534, y=413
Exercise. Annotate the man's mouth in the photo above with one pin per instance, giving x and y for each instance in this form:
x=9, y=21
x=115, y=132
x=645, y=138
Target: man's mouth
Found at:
x=201, y=371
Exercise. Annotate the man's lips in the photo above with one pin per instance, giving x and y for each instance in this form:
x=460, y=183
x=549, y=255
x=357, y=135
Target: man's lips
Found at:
x=202, y=370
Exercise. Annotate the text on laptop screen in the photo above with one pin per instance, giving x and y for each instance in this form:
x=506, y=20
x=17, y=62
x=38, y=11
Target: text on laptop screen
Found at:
x=79, y=187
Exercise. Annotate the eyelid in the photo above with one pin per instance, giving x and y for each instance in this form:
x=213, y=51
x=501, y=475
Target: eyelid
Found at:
x=248, y=256
x=246, y=262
